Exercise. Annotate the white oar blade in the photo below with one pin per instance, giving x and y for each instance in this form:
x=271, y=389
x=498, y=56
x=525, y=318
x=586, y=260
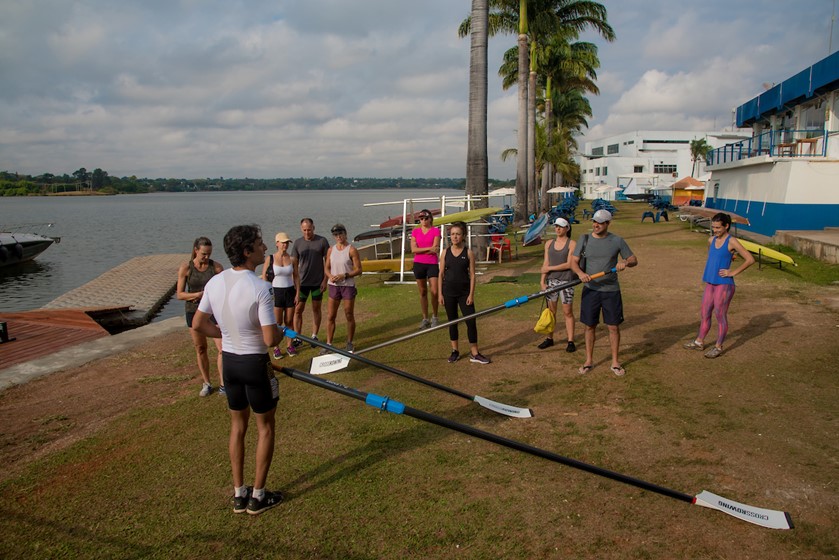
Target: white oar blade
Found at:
x=769, y=518
x=328, y=363
x=504, y=409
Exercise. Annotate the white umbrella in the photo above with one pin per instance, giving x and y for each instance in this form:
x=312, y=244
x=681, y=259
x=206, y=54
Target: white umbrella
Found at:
x=606, y=189
x=556, y=190
x=503, y=191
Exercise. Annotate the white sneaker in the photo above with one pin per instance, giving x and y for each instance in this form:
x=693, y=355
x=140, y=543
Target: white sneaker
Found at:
x=434, y=321
x=424, y=324
x=206, y=389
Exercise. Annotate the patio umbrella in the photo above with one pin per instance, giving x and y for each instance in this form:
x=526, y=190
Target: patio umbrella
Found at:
x=686, y=182
x=557, y=190
x=606, y=189
x=503, y=191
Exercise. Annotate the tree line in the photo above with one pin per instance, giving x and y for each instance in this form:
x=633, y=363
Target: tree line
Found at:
x=100, y=182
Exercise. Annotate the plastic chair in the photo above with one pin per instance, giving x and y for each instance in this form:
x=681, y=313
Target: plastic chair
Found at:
x=499, y=244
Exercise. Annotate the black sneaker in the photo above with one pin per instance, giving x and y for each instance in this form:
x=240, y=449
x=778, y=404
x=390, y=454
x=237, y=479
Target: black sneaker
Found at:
x=268, y=501
x=571, y=347
x=312, y=344
x=454, y=357
x=241, y=504
x=479, y=358
x=547, y=343
x=297, y=343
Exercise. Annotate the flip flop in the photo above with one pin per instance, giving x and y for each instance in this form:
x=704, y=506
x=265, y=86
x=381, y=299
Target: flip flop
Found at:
x=584, y=369
x=618, y=370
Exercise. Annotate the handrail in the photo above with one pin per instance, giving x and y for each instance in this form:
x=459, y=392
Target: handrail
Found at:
x=774, y=143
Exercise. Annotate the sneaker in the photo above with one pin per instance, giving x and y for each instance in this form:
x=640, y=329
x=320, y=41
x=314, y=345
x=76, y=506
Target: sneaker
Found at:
x=434, y=321
x=278, y=354
x=350, y=347
x=454, y=357
x=297, y=343
x=424, y=324
x=240, y=504
x=222, y=391
x=269, y=500
x=713, y=352
x=292, y=351
x=571, y=347
x=314, y=338
x=693, y=345
x=323, y=351
x=206, y=389
x=547, y=343
x=478, y=358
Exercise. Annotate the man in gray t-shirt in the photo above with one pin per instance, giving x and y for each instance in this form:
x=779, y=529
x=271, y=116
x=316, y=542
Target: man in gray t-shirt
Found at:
x=601, y=250
x=309, y=252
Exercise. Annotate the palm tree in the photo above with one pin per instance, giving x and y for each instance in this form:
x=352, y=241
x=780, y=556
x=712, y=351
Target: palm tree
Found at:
x=699, y=150
x=477, y=172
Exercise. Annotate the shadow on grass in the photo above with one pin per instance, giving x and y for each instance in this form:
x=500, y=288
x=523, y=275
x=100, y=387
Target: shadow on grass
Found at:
x=756, y=327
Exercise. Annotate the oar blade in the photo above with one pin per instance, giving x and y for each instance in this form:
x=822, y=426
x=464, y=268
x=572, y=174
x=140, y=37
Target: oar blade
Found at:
x=328, y=363
x=769, y=518
x=501, y=408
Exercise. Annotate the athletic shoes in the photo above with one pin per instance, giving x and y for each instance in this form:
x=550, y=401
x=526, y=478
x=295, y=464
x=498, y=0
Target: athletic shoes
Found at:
x=478, y=358
x=222, y=391
x=424, y=324
x=240, y=504
x=206, y=389
x=693, y=345
x=547, y=343
x=292, y=351
x=571, y=347
x=278, y=354
x=268, y=501
x=350, y=347
x=434, y=321
x=323, y=351
x=312, y=344
x=454, y=357
x=297, y=343
x=713, y=352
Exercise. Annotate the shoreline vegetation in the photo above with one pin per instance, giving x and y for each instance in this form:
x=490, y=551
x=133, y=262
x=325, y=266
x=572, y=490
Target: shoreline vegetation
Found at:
x=82, y=182
x=120, y=457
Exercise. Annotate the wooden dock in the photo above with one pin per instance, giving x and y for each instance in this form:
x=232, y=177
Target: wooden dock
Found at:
x=124, y=297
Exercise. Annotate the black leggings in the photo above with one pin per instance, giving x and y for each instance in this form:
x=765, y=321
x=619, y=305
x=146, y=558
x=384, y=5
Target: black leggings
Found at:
x=451, y=304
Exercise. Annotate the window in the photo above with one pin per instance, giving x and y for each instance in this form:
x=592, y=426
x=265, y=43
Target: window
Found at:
x=597, y=171
x=638, y=169
x=612, y=149
x=664, y=168
x=597, y=151
x=605, y=171
x=666, y=141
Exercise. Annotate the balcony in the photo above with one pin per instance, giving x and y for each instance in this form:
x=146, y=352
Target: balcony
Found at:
x=778, y=144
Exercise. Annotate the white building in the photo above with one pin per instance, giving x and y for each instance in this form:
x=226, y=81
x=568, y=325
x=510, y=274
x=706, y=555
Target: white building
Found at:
x=651, y=158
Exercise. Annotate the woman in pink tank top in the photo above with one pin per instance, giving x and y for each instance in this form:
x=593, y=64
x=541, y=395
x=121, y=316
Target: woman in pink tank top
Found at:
x=425, y=245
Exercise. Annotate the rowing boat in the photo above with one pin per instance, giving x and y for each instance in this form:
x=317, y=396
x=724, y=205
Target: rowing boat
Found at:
x=709, y=213
x=763, y=251
x=534, y=232
x=467, y=217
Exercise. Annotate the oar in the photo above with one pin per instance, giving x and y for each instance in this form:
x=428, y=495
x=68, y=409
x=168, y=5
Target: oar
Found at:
x=329, y=363
x=769, y=518
x=500, y=408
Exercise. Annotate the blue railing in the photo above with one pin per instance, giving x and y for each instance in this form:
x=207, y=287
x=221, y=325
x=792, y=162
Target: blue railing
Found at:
x=774, y=143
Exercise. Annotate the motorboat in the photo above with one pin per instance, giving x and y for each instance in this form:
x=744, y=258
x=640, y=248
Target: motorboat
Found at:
x=17, y=246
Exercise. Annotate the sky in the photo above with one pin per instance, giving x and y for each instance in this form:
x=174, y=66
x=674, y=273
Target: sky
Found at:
x=362, y=88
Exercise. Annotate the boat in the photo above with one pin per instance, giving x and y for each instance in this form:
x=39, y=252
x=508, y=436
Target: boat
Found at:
x=383, y=265
x=467, y=216
x=533, y=235
x=761, y=251
x=376, y=233
x=413, y=217
x=17, y=247
x=709, y=213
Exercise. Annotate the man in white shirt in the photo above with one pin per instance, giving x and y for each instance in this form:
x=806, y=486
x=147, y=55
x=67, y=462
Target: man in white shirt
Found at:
x=243, y=307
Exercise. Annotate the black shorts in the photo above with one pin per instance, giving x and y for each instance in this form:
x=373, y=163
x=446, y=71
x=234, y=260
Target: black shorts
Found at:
x=317, y=293
x=423, y=271
x=284, y=297
x=249, y=381
x=190, y=315
x=593, y=302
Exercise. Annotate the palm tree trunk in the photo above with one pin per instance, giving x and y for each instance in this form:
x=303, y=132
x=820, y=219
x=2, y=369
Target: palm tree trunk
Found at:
x=477, y=166
x=521, y=158
x=532, y=198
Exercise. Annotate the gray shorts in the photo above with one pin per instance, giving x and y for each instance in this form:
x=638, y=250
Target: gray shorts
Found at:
x=566, y=295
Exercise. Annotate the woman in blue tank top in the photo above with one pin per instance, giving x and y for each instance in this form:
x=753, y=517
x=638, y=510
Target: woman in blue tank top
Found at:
x=719, y=282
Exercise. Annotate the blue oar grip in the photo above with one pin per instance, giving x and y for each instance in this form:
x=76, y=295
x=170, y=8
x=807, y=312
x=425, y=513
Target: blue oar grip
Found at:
x=384, y=403
x=516, y=302
x=288, y=332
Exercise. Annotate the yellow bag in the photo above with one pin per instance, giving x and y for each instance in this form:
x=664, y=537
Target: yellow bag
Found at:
x=545, y=324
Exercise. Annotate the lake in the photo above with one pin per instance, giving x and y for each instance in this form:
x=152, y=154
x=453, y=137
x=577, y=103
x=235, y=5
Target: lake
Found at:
x=100, y=232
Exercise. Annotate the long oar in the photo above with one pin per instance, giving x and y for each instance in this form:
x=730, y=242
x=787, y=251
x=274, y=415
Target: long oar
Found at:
x=495, y=406
x=329, y=363
x=769, y=518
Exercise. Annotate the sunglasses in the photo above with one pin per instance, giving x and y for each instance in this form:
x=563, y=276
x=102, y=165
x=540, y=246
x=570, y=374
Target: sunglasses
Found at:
x=425, y=217
x=338, y=231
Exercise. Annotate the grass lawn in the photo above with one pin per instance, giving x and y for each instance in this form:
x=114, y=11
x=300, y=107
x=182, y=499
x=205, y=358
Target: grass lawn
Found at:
x=122, y=459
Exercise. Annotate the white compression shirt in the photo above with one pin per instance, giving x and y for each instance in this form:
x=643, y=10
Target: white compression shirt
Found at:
x=242, y=304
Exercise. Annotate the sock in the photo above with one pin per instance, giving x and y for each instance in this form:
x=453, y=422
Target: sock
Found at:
x=258, y=494
x=241, y=491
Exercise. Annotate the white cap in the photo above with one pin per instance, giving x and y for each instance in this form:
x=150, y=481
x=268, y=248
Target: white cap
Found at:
x=602, y=216
x=561, y=222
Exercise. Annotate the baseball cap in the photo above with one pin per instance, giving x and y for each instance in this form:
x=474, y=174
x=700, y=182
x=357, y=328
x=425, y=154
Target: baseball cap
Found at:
x=602, y=216
x=339, y=228
x=561, y=222
x=282, y=238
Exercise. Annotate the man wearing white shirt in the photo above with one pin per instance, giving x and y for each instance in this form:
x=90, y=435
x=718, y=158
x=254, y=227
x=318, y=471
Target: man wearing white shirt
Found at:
x=243, y=307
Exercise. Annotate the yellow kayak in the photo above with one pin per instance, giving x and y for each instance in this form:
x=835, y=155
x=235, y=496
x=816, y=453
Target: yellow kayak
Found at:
x=763, y=251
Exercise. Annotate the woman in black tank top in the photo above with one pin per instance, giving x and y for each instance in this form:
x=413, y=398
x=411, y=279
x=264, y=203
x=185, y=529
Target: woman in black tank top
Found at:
x=457, y=289
x=193, y=275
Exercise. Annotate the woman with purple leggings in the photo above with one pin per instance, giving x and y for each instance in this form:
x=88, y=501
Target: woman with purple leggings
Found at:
x=719, y=282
